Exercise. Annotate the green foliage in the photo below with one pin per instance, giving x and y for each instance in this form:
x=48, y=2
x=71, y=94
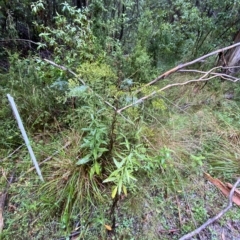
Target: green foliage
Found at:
x=139, y=64
x=113, y=20
x=104, y=55
x=35, y=100
x=94, y=144
x=197, y=160
x=69, y=186
x=99, y=76
x=37, y=6
x=9, y=133
x=70, y=39
x=181, y=30
x=126, y=163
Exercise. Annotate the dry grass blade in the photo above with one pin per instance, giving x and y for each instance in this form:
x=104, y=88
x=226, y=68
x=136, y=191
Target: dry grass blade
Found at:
x=48, y=158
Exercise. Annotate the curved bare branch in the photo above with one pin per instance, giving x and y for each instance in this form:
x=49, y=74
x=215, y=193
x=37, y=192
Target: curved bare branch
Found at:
x=213, y=219
x=189, y=64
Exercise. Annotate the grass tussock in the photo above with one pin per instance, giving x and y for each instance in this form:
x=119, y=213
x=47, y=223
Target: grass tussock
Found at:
x=69, y=188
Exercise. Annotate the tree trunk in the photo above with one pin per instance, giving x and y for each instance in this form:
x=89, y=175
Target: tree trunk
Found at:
x=231, y=59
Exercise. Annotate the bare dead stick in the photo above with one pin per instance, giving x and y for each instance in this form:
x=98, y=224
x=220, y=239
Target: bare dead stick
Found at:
x=65, y=69
x=175, y=69
x=179, y=211
x=18, y=39
x=221, y=75
x=47, y=159
x=164, y=88
x=213, y=219
x=1, y=160
x=203, y=78
x=169, y=231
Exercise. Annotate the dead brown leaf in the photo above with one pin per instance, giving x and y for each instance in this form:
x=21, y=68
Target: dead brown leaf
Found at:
x=224, y=188
x=108, y=227
x=229, y=185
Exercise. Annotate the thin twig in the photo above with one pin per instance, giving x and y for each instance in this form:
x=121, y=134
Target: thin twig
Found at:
x=48, y=158
x=1, y=160
x=146, y=139
x=23, y=40
x=169, y=231
x=179, y=211
x=64, y=69
x=213, y=219
x=221, y=75
x=182, y=109
x=164, y=88
x=201, y=79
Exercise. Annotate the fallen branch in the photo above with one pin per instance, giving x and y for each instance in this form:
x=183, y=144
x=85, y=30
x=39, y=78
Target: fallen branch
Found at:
x=180, y=66
x=221, y=75
x=213, y=219
x=224, y=188
x=202, y=79
x=23, y=40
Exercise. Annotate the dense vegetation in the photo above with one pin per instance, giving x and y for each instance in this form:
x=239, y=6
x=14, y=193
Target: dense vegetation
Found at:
x=70, y=66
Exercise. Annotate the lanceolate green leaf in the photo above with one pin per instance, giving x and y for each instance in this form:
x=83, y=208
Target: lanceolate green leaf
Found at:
x=110, y=179
x=84, y=160
x=118, y=164
x=97, y=168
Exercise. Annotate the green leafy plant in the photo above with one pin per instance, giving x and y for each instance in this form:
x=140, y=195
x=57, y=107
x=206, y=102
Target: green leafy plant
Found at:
x=70, y=39
x=197, y=160
x=126, y=163
x=94, y=144
x=69, y=186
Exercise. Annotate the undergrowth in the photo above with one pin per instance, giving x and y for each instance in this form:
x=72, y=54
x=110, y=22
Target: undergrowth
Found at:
x=152, y=180
x=138, y=174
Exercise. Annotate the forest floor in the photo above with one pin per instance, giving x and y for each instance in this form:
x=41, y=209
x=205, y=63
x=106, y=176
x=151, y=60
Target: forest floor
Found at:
x=202, y=131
